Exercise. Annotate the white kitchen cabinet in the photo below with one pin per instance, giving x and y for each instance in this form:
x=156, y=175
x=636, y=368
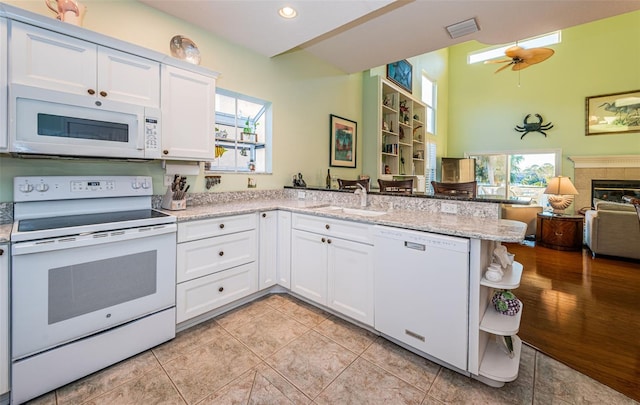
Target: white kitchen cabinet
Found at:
x=45, y=59
x=188, y=114
x=283, y=264
x=331, y=270
x=4, y=140
x=268, y=248
x=216, y=263
x=4, y=318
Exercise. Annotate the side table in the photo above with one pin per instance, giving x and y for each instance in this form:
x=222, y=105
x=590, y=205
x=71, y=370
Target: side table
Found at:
x=560, y=232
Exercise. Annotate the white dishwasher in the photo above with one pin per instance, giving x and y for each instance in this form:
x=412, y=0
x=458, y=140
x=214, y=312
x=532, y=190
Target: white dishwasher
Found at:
x=422, y=291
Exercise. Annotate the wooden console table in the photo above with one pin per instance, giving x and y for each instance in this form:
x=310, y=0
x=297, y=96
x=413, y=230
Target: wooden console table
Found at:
x=560, y=232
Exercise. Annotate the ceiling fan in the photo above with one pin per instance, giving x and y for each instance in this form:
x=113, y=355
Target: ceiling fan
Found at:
x=521, y=58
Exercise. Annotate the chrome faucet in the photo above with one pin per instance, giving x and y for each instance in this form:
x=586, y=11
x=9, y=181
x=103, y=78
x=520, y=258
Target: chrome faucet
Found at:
x=362, y=192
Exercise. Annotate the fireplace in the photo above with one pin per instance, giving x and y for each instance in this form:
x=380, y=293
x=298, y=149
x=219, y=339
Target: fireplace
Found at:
x=613, y=190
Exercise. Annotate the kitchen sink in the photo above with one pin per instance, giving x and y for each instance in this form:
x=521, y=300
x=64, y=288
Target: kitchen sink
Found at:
x=352, y=211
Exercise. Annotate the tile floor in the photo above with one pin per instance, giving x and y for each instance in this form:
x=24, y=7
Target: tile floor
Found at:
x=279, y=350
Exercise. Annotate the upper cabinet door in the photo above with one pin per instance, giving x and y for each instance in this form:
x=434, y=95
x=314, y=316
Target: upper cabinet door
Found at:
x=188, y=114
x=4, y=140
x=53, y=61
x=45, y=59
x=128, y=78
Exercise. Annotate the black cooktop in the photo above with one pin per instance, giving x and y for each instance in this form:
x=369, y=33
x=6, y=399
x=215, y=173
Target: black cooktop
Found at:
x=68, y=221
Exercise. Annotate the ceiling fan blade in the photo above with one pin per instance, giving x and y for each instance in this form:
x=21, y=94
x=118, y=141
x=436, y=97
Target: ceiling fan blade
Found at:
x=538, y=55
x=514, y=51
x=520, y=66
x=497, y=61
x=506, y=66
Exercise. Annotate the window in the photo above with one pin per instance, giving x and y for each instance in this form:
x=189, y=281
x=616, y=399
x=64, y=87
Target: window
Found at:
x=243, y=134
x=512, y=175
x=430, y=169
x=498, y=52
x=429, y=98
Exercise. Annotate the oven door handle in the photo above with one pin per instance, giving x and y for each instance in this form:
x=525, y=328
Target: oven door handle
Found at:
x=89, y=239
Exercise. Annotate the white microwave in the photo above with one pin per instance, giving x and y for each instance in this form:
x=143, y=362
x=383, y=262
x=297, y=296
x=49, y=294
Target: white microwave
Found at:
x=46, y=122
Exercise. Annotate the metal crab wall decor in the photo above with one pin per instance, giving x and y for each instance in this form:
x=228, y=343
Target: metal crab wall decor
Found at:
x=533, y=126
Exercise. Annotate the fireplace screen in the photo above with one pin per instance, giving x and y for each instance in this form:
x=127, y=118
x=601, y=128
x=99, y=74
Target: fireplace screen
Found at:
x=614, y=190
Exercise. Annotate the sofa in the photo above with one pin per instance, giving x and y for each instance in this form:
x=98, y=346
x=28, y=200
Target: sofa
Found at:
x=613, y=229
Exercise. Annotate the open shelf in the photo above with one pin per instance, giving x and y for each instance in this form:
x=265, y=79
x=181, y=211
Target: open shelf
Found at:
x=497, y=365
x=500, y=324
x=510, y=280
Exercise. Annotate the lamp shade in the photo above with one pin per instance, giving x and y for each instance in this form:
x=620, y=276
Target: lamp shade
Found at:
x=560, y=185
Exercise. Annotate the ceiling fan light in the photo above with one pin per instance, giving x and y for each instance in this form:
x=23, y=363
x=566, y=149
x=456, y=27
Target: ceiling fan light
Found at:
x=463, y=28
x=287, y=12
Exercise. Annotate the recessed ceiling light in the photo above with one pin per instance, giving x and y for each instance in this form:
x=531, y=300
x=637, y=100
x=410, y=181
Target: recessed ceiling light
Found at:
x=287, y=12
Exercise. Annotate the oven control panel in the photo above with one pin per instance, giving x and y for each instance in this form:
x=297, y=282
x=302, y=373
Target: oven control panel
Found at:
x=45, y=188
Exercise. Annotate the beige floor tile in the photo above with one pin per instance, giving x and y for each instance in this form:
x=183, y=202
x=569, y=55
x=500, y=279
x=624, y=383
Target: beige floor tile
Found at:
x=453, y=388
x=267, y=333
x=311, y=362
x=431, y=401
x=105, y=380
x=152, y=388
x=303, y=312
x=410, y=367
x=277, y=300
x=236, y=392
x=209, y=367
x=346, y=334
x=185, y=341
x=244, y=314
x=365, y=383
x=289, y=390
x=557, y=383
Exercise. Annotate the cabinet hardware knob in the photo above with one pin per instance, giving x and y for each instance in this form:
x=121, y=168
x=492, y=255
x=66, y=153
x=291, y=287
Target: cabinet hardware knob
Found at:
x=323, y=240
x=221, y=226
x=558, y=233
x=91, y=91
x=327, y=226
x=328, y=240
x=103, y=93
x=165, y=152
x=1, y=252
x=221, y=253
x=264, y=215
x=221, y=289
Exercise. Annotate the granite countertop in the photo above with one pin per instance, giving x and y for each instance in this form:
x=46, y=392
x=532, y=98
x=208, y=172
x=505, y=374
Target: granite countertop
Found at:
x=449, y=224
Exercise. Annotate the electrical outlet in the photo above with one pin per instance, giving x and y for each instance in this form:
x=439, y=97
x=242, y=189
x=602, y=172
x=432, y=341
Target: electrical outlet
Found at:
x=448, y=208
x=301, y=195
x=168, y=179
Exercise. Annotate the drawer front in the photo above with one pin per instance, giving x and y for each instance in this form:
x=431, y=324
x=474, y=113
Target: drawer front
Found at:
x=353, y=231
x=561, y=233
x=195, y=297
x=207, y=256
x=207, y=228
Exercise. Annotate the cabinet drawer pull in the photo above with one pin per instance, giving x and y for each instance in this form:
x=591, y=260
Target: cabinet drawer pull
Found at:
x=558, y=233
x=323, y=240
x=91, y=91
x=327, y=226
x=103, y=93
x=221, y=226
x=221, y=253
x=221, y=289
x=414, y=335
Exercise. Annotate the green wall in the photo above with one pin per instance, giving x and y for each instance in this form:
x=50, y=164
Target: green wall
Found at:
x=601, y=57
x=304, y=91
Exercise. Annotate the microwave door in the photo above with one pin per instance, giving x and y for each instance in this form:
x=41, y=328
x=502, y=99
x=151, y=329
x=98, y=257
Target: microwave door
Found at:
x=63, y=128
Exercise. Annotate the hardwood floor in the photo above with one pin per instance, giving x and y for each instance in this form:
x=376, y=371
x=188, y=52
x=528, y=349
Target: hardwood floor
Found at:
x=583, y=312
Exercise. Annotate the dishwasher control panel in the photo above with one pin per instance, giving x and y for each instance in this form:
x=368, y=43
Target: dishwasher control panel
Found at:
x=421, y=240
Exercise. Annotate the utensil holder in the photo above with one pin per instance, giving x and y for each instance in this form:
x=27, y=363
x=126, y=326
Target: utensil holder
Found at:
x=170, y=203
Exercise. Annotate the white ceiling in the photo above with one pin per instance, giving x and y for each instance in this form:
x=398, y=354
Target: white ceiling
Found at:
x=355, y=35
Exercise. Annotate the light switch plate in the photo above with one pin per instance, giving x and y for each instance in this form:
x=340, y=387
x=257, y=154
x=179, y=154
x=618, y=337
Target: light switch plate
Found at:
x=448, y=208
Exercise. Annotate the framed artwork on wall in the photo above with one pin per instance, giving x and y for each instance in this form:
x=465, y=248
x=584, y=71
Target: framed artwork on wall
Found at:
x=343, y=141
x=615, y=113
x=400, y=73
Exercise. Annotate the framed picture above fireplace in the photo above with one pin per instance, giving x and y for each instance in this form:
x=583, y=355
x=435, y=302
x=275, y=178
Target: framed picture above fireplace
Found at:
x=614, y=113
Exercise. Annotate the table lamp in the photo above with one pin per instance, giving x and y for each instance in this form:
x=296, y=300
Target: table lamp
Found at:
x=561, y=192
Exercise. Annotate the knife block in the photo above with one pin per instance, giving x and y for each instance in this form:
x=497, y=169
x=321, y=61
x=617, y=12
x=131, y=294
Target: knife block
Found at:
x=168, y=202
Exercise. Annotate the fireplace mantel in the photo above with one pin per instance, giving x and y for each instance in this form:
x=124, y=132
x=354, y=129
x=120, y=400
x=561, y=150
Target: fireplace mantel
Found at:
x=583, y=162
